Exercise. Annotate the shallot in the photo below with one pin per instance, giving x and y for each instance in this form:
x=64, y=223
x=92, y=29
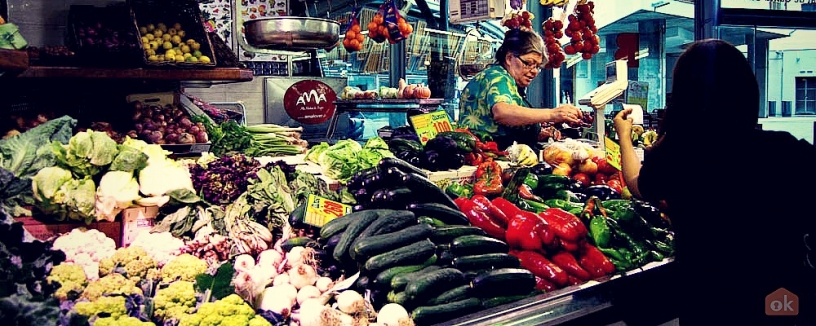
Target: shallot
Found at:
x=350, y=302
x=270, y=258
x=282, y=278
x=273, y=300
x=324, y=284
x=295, y=256
x=302, y=275
x=393, y=314
x=319, y=315
x=307, y=292
x=244, y=263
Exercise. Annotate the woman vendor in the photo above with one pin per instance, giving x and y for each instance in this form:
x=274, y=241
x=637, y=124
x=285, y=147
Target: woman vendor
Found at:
x=492, y=102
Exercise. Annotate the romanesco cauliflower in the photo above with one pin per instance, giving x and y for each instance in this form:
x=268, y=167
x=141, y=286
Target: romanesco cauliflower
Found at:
x=134, y=260
x=229, y=311
x=185, y=268
x=71, y=277
x=121, y=321
x=110, y=306
x=174, y=301
x=110, y=284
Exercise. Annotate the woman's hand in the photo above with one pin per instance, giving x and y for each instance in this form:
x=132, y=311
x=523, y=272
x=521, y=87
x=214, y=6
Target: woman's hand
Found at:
x=623, y=124
x=567, y=113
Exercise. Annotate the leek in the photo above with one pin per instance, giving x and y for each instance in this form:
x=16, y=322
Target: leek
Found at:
x=271, y=128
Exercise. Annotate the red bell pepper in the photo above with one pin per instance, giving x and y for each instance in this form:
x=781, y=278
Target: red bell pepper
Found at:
x=521, y=233
x=570, y=246
x=592, y=253
x=460, y=201
x=488, y=179
x=542, y=267
x=544, y=285
x=488, y=169
x=497, y=215
x=567, y=262
x=565, y=225
x=480, y=219
x=506, y=206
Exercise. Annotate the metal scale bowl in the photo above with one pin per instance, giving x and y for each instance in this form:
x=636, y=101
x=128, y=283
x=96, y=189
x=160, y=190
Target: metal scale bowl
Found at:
x=288, y=33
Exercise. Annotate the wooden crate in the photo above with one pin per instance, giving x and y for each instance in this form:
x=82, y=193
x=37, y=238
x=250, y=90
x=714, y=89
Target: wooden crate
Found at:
x=45, y=231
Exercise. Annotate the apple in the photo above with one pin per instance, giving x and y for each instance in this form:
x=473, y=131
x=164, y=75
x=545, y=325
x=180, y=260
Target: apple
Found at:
x=583, y=178
x=588, y=167
x=601, y=179
x=562, y=169
x=606, y=168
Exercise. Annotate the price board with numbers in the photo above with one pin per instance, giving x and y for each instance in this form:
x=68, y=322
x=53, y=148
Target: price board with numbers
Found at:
x=429, y=124
x=320, y=211
x=613, y=154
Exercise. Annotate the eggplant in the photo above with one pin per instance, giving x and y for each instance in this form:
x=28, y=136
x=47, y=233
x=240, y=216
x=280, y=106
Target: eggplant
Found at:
x=435, y=161
x=397, y=198
x=356, y=181
x=542, y=168
x=650, y=213
x=389, y=162
x=362, y=195
x=456, y=161
x=373, y=182
x=358, y=207
x=442, y=144
x=603, y=192
x=576, y=186
x=423, y=188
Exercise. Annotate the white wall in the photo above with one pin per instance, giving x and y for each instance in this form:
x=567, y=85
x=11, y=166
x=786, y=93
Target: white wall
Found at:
x=798, y=127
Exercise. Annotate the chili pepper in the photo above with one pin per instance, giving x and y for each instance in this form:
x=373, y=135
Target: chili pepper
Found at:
x=456, y=190
x=619, y=259
x=656, y=255
x=521, y=233
x=565, y=225
x=531, y=180
x=567, y=262
x=481, y=220
x=595, y=215
x=506, y=206
x=533, y=206
x=664, y=248
x=574, y=208
x=591, y=252
x=542, y=267
x=524, y=191
x=549, y=189
x=544, y=285
x=618, y=233
x=497, y=215
x=488, y=146
x=568, y=196
x=616, y=204
x=570, y=246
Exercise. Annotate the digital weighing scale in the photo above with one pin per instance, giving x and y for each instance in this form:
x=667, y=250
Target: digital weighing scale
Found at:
x=617, y=80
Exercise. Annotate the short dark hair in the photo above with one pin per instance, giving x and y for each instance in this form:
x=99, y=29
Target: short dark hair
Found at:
x=520, y=42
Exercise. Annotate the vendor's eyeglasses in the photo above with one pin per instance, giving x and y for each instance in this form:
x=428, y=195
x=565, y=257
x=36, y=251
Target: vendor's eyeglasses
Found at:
x=528, y=65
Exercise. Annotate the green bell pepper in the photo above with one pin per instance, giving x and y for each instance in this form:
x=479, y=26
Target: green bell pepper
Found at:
x=531, y=180
x=574, y=208
x=456, y=190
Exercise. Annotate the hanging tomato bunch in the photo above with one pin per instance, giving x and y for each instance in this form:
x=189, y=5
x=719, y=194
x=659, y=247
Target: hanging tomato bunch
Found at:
x=518, y=19
x=581, y=30
x=353, y=41
x=552, y=33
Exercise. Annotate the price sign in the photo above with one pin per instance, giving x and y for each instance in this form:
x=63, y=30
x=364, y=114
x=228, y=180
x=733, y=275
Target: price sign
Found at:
x=320, y=211
x=429, y=124
x=613, y=154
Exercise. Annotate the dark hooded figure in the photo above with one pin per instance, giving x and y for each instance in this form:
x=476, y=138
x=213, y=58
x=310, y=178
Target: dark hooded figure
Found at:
x=741, y=200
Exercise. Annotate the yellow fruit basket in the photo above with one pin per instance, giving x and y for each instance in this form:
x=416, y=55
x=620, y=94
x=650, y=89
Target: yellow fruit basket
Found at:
x=171, y=34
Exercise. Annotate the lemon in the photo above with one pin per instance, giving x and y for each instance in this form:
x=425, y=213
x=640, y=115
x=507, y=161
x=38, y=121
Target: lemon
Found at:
x=176, y=39
x=187, y=55
x=150, y=52
x=160, y=57
x=150, y=27
x=179, y=58
x=170, y=53
x=171, y=31
x=145, y=39
x=150, y=36
x=154, y=45
x=192, y=59
x=190, y=42
x=177, y=50
x=162, y=27
x=185, y=48
x=143, y=30
x=195, y=46
x=146, y=45
x=197, y=53
x=177, y=26
x=158, y=33
x=167, y=37
x=153, y=58
x=204, y=59
x=167, y=45
x=181, y=33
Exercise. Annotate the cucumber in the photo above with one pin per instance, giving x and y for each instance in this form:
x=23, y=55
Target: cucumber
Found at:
x=441, y=212
x=399, y=282
x=339, y=224
x=384, y=278
x=354, y=229
x=467, y=245
x=498, y=301
x=426, y=315
x=295, y=242
x=297, y=217
x=378, y=244
x=397, y=297
x=503, y=282
x=431, y=221
x=401, y=165
x=455, y=294
x=446, y=234
x=446, y=257
x=472, y=273
x=411, y=254
x=486, y=261
x=385, y=224
x=434, y=283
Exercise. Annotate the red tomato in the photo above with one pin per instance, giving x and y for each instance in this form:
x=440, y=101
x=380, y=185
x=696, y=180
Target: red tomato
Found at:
x=583, y=178
x=615, y=184
x=606, y=168
x=601, y=179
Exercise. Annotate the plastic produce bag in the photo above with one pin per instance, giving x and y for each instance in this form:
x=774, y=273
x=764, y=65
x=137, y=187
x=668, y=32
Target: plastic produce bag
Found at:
x=377, y=30
x=398, y=27
x=10, y=37
x=353, y=41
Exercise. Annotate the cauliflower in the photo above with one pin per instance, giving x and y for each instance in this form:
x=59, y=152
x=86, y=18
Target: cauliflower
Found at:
x=174, y=301
x=71, y=278
x=110, y=284
x=86, y=248
x=162, y=246
x=229, y=311
x=121, y=321
x=135, y=261
x=185, y=268
x=109, y=306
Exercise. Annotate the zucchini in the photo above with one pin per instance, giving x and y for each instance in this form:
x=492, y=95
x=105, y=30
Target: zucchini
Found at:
x=431, y=221
x=374, y=245
x=503, y=282
x=486, y=261
x=357, y=226
x=467, y=245
x=296, y=218
x=403, y=166
x=399, y=282
x=397, y=297
x=395, y=221
x=455, y=294
x=446, y=234
x=295, y=242
x=426, y=315
x=384, y=278
x=411, y=254
x=441, y=212
x=498, y=301
x=434, y=283
x=339, y=224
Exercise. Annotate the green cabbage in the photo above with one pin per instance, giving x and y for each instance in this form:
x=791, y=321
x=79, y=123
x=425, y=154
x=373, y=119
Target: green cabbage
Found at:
x=129, y=159
x=117, y=191
x=64, y=198
x=87, y=153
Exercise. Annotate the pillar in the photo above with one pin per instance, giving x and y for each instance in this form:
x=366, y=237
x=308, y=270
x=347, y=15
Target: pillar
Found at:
x=651, y=68
x=706, y=18
x=761, y=49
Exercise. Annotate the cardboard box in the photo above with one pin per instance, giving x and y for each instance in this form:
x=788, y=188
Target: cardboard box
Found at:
x=463, y=175
x=135, y=220
x=45, y=231
x=334, y=185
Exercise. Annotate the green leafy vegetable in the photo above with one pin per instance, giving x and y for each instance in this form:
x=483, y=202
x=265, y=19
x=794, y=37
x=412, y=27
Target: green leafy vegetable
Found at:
x=129, y=159
x=86, y=154
x=218, y=285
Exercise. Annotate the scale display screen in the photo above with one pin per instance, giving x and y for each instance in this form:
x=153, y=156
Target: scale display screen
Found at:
x=469, y=9
x=611, y=72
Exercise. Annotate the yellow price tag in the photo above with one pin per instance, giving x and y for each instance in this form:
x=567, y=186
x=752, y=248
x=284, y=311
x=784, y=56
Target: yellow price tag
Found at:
x=428, y=125
x=613, y=154
x=320, y=211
